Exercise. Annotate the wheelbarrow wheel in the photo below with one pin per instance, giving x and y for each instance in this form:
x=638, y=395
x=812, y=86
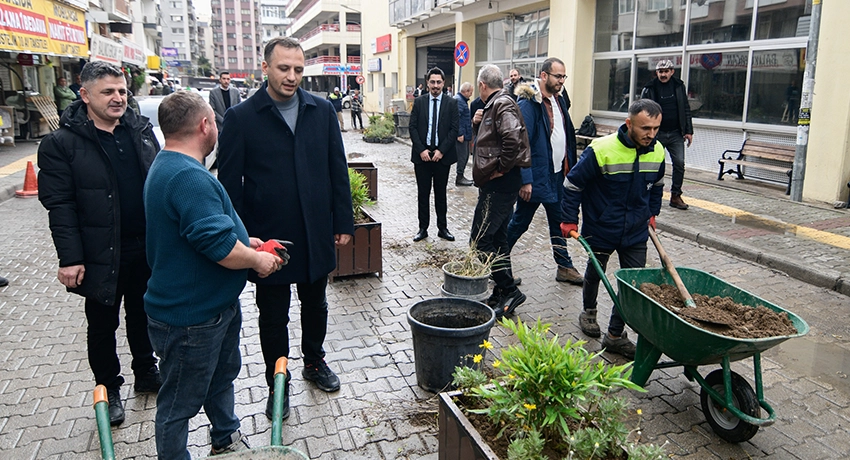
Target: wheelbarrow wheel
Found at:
x=722, y=421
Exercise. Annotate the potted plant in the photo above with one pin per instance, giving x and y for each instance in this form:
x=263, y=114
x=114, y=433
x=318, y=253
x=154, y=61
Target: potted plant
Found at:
x=546, y=400
x=468, y=273
x=363, y=254
x=368, y=169
x=381, y=129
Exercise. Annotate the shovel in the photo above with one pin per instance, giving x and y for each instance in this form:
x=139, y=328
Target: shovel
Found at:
x=706, y=315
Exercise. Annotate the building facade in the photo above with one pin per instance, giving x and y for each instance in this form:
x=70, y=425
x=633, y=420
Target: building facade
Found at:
x=742, y=62
x=330, y=33
x=179, y=37
x=238, y=45
x=273, y=20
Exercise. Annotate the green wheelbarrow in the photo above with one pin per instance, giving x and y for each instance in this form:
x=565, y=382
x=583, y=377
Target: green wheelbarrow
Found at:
x=728, y=401
x=276, y=451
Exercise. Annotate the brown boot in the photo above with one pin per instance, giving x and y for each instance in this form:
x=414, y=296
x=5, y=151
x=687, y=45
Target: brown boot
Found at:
x=569, y=275
x=677, y=202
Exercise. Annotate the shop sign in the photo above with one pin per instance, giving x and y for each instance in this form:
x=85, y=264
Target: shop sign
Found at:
x=104, y=49
x=337, y=69
x=169, y=52
x=133, y=53
x=382, y=44
x=373, y=65
x=42, y=27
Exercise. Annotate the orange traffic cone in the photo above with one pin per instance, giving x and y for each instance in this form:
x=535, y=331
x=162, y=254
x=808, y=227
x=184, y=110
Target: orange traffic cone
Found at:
x=30, y=184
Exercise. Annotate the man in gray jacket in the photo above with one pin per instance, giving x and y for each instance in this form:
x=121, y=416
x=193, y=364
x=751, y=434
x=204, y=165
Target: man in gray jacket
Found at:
x=223, y=97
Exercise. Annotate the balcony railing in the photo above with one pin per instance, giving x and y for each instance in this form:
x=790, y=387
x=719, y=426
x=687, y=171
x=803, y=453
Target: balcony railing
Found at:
x=318, y=30
x=322, y=60
x=353, y=59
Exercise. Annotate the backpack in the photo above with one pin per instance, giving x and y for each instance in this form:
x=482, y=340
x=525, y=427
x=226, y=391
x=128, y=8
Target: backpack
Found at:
x=587, y=128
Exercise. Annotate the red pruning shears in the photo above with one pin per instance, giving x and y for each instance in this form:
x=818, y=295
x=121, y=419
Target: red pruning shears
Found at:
x=278, y=248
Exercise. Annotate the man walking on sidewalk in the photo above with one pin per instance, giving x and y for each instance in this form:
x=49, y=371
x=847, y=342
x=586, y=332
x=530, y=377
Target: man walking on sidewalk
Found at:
x=433, y=133
x=676, y=126
x=501, y=145
x=618, y=182
x=93, y=169
x=282, y=161
x=223, y=97
x=196, y=245
x=464, y=135
x=551, y=135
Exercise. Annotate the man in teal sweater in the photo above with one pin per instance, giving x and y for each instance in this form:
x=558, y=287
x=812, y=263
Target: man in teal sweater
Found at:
x=200, y=254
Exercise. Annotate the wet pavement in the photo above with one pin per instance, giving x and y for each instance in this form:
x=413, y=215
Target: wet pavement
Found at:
x=752, y=237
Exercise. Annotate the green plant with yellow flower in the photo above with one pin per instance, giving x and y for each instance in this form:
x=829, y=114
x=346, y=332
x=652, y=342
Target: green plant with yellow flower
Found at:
x=562, y=394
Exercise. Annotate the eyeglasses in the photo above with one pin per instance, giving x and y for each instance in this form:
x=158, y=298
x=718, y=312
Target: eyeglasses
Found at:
x=557, y=76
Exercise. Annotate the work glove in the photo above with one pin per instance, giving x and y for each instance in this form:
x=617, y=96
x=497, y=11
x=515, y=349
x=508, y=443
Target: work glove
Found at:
x=276, y=248
x=567, y=228
x=652, y=222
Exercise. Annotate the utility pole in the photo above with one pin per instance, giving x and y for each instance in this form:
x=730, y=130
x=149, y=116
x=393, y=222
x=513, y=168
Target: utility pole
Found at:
x=798, y=171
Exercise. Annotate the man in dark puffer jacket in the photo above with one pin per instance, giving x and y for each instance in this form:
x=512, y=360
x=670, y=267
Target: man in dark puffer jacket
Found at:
x=92, y=171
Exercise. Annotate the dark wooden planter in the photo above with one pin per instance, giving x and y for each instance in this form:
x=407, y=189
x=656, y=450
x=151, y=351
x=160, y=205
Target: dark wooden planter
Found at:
x=362, y=254
x=457, y=439
x=368, y=169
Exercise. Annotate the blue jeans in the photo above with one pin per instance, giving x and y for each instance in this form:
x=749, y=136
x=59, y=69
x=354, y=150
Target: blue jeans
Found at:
x=198, y=365
x=674, y=142
x=631, y=257
x=521, y=219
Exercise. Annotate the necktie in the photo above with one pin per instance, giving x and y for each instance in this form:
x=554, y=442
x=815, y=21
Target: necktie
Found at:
x=434, y=124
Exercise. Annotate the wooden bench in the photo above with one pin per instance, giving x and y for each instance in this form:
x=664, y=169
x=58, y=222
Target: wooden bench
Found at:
x=751, y=150
x=601, y=130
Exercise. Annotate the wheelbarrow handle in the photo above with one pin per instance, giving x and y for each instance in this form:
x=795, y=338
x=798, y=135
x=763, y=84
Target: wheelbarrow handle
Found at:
x=596, y=265
x=668, y=264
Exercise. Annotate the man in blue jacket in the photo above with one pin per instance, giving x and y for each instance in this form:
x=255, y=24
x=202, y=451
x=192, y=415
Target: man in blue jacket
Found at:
x=553, y=152
x=618, y=182
x=282, y=161
x=336, y=100
x=464, y=135
x=196, y=245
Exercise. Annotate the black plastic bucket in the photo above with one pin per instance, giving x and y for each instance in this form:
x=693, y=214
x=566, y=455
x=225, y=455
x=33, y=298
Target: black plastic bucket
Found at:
x=447, y=332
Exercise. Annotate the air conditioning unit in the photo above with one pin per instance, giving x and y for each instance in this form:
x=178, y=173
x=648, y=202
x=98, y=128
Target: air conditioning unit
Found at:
x=665, y=15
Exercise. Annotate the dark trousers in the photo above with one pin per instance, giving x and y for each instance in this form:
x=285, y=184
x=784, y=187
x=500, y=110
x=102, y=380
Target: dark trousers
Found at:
x=355, y=117
x=490, y=234
x=273, y=303
x=462, y=149
x=631, y=257
x=524, y=214
x=103, y=320
x=675, y=145
x=426, y=175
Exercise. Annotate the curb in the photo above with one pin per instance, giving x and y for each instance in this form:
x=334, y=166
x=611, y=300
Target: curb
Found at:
x=8, y=191
x=825, y=278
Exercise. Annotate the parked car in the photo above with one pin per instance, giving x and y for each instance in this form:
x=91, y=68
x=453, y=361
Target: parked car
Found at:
x=346, y=102
x=149, y=106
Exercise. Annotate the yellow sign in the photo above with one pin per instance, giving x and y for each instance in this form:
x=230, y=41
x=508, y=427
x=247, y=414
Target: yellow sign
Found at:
x=42, y=27
x=153, y=62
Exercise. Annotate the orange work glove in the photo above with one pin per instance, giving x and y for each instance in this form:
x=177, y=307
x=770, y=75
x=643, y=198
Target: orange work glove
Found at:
x=652, y=222
x=274, y=247
x=567, y=228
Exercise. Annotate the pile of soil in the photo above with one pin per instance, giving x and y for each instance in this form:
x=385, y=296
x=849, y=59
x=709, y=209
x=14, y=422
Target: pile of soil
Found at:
x=747, y=322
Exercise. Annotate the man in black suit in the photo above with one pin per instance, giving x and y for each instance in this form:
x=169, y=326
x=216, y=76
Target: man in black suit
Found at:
x=433, y=130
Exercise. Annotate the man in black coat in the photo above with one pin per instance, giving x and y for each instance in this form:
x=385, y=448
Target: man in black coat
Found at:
x=282, y=161
x=92, y=171
x=433, y=131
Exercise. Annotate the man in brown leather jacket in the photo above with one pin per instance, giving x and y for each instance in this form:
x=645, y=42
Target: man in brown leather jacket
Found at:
x=501, y=149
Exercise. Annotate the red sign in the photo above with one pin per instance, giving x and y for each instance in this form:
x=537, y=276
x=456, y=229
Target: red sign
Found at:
x=462, y=54
x=383, y=44
x=361, y=79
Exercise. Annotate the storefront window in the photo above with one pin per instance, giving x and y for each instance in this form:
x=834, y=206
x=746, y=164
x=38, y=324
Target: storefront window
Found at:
x=611, y=84
x=645, y=69
x=493, y=40
x=525, y=36
x=528, y=70
x=775, y=86
x=543, y=34
x=520, y=42
x=661, y=23
x=782, y=19
x=614, y=25
x=720, y=21
x=716, y=85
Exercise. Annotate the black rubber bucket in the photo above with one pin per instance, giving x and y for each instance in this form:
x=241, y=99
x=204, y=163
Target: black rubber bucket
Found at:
x=447, y=332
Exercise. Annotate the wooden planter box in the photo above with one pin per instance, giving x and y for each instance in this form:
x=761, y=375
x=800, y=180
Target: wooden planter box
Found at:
x=457, y=439
x=363, y=253
x=368, y=169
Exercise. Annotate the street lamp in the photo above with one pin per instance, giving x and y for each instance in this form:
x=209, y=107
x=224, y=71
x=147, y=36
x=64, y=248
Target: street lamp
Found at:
x=360, y=25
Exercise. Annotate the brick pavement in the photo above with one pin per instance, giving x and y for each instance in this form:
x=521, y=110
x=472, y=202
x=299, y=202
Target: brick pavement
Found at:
x=45, y=386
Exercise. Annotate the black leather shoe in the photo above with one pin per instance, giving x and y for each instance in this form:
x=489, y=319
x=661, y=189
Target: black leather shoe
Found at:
x=444, y=234
x=116, y=409
x=3, y=282
x=270, y=403
x=421, y=235
x=322, y=375
x=148, y=383
x=463, y=182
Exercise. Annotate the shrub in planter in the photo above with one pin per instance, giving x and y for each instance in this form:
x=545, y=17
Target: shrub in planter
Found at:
x=553, y=399
x=381, y=129
x=363, y=254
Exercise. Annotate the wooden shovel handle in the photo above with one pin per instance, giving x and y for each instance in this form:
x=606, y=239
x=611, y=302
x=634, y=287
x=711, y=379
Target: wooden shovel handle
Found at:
x=668, y=264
